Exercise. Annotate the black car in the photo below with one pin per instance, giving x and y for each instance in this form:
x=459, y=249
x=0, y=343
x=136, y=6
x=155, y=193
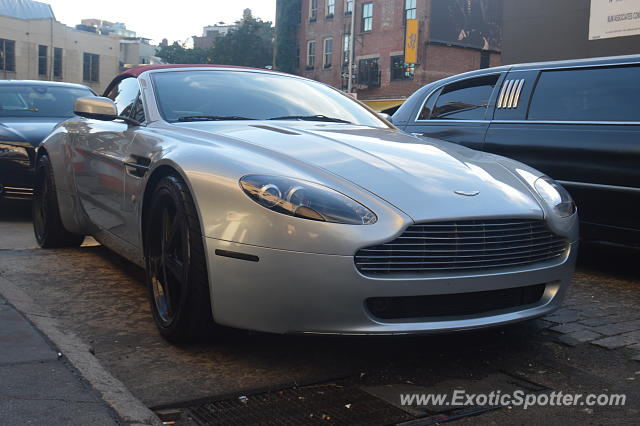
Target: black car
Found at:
x=578, y=121
x=29, y=110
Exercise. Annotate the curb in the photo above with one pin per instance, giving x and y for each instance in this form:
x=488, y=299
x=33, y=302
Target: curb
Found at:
x=112, y=390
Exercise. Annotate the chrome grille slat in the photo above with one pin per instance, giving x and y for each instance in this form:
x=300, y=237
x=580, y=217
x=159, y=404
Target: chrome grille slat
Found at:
x=474, y=231
x=461, y=250
x=538, y=233
x=500, y=259
x=434, y=256
x=466, y=243
x=463, y=245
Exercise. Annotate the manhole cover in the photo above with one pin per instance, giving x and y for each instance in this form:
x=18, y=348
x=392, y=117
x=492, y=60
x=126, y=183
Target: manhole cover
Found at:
x=322, y=404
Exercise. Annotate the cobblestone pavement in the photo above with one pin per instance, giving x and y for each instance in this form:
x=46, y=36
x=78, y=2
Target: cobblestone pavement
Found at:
x=593, y=314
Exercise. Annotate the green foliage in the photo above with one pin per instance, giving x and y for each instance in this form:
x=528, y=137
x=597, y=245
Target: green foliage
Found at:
x=179, y=54
x=287, y=20
x=249, y=45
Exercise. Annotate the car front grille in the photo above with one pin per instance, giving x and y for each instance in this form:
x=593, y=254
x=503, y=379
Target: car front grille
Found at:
x=16, y=193
x=462, y=246
x=447, y=305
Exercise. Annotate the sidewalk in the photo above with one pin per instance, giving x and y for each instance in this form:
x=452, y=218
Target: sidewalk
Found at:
x=37, y=385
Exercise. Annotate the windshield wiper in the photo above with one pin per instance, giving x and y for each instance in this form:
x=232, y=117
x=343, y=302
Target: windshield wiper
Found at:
x=212, y=118
x=318, y=117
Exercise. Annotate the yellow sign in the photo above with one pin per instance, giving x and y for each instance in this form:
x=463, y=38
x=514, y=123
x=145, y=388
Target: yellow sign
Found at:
x=411, y=42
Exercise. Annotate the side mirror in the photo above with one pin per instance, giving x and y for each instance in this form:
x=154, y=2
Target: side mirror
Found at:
x=95, y=107
x=384, y=116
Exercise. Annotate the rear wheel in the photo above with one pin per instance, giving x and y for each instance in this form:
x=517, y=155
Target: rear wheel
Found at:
x=175, y=265
x=47, y=224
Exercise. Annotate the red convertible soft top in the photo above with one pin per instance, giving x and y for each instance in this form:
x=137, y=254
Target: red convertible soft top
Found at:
x=136, y=71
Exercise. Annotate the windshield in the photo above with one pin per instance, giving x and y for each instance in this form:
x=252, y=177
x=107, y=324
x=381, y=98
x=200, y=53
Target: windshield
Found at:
x=39, y=100
x=234, y=95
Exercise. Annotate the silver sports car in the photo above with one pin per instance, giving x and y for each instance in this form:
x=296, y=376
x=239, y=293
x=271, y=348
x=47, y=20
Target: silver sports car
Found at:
x=265, y=201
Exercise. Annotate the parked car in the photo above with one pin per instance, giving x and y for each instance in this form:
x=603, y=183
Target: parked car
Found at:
x=577, y=121
x=28, y=112
x=271, y=202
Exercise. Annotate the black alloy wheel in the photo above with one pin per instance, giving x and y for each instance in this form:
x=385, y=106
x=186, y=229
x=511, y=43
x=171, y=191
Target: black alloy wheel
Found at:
x=47, y=223
x=175, y=264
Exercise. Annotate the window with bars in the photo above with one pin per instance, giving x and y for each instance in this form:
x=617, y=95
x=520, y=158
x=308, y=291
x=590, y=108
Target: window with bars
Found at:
x=42, y=60
x=348, y=7
x=331, y=8
x=311, y=54
x=313, y=10
x=369, y=72
x=367, y=17
x=57, y=62
x=7, y=55
x=410, y=10
x=328, y=53
x=91, y=67
x=400, y=70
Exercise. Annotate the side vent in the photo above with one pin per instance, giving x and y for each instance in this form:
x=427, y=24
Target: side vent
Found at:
x=510, y=94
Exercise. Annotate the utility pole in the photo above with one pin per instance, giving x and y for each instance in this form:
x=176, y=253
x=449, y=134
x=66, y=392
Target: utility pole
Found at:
x=352, y=45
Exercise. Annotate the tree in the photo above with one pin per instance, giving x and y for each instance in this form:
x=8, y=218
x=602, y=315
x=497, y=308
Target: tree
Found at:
x=287, y=21
x=249, y=45
x=178, y=54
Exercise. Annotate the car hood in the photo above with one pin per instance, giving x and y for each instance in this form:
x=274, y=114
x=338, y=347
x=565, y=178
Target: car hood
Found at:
x=27, y=129
x=418, y=177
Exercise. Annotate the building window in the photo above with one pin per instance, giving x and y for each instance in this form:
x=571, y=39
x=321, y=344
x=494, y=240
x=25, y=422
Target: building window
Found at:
x=400, y=70
x=367, y=17
x=328, y=52
x=346, y=48
x=369, y=72
x=90, y=67
x=42, y=60
x=311, y=54
x=410, y=9
x=297, y=56
x=331, y=8
x=348, y=7
x=57, y=62
x=7, y=55
x=485, y=59
x=313, y=10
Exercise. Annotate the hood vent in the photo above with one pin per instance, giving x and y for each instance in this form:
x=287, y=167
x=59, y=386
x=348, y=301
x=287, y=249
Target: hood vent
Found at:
x=276, y=129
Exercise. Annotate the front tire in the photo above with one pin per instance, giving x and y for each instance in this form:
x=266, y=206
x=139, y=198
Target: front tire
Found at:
x=47, y=224
x=176, y=271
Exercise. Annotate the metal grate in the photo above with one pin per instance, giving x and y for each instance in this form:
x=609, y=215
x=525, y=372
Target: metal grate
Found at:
x=311, y=405
x=461, y=304
x=463, y=246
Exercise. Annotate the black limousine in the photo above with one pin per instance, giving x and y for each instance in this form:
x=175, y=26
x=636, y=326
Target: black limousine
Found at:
x=578, y=121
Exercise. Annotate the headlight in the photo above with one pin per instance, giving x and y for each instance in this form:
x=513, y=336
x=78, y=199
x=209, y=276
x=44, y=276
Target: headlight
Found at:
x=13, y=152
x=556, y=196
x=306, y=200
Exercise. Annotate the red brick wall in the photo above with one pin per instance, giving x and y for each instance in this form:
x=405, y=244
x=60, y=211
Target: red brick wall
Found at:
x=385, y=40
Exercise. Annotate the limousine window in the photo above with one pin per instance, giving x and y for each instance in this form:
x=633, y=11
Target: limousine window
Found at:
x=463, y=100
x=597, y=94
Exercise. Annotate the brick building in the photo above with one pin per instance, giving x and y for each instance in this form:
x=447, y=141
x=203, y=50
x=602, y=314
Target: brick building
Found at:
x=454, y=36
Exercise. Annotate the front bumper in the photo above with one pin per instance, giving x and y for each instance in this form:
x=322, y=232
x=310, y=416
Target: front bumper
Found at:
x=296, y=292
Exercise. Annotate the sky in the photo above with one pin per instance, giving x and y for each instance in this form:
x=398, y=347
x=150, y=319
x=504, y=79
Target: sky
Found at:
x=158, y=19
